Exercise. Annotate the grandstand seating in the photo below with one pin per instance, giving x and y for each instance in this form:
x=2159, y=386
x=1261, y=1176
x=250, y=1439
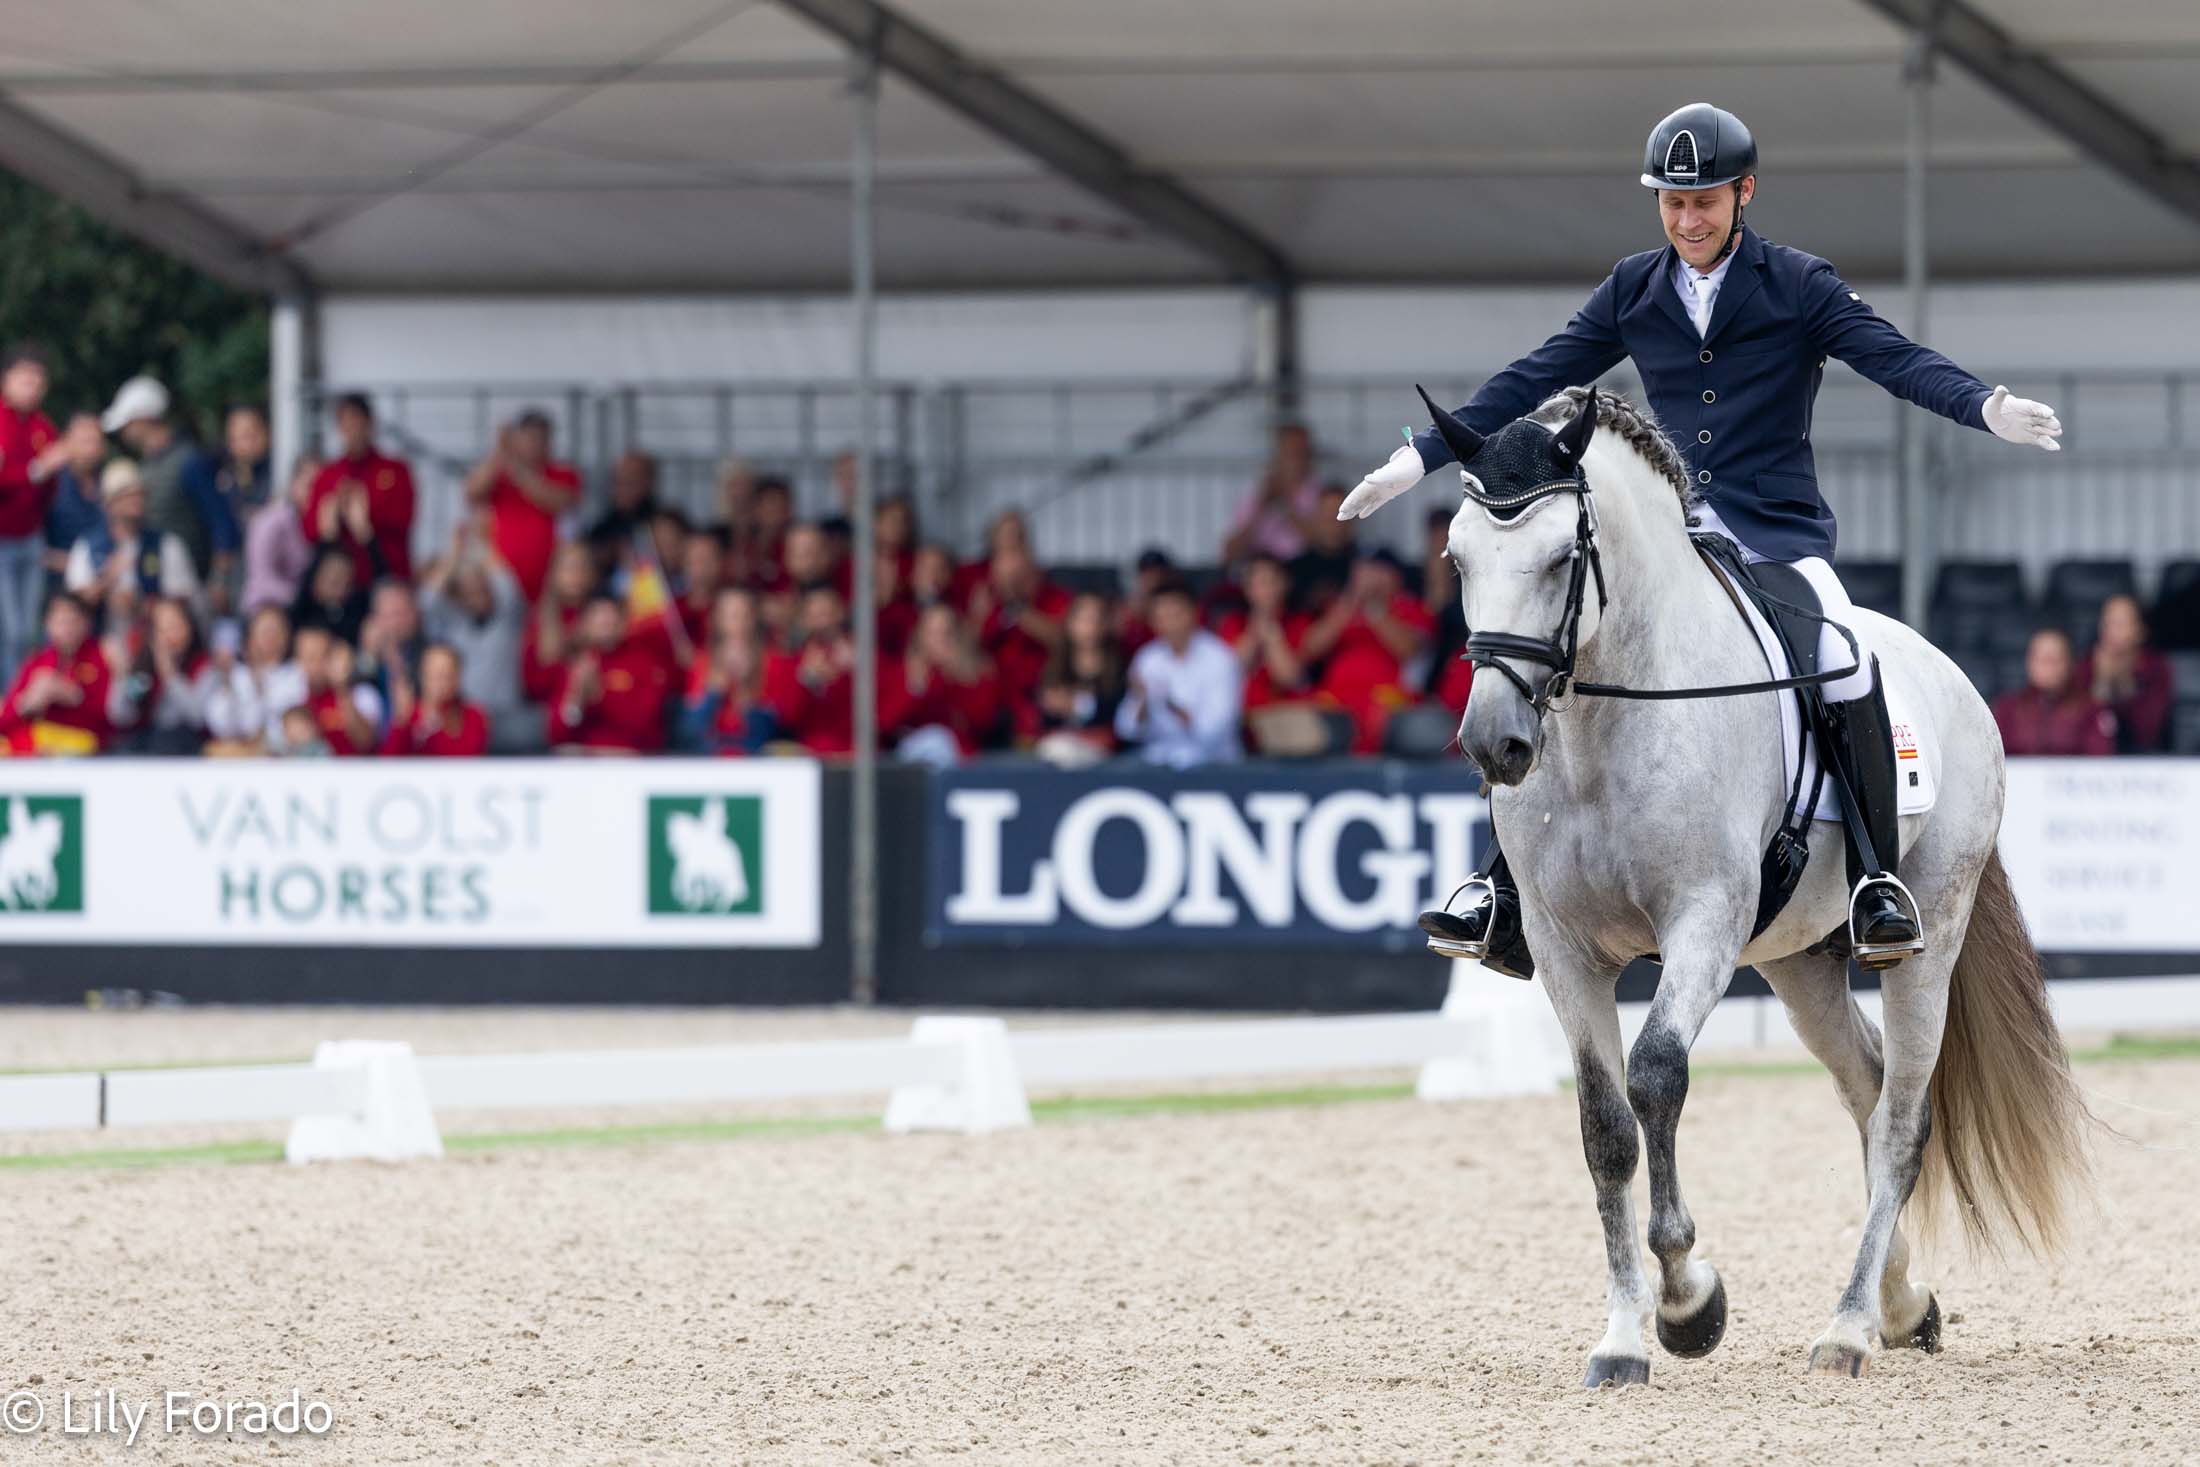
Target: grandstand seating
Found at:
x=1425, y=731
x=1874, y=584
x=1102, y=578
x=2176, y=613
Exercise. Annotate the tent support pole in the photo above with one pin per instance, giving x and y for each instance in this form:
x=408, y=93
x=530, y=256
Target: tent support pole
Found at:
x=863, y=801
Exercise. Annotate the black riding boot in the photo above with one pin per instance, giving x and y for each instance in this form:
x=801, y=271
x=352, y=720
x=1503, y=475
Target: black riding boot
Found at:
x=1490, y=929
x=1883, y=920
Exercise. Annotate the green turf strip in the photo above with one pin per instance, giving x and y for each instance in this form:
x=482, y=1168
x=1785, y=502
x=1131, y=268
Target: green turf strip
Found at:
x=2120, y=1048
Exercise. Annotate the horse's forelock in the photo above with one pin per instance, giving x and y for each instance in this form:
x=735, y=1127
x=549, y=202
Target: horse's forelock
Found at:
x=1633, y=425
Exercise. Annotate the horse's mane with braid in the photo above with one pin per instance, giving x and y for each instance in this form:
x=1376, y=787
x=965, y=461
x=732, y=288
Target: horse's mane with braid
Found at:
x=1637, y=426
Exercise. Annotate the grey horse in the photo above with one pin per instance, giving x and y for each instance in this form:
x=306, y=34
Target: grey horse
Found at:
x=1637, y=828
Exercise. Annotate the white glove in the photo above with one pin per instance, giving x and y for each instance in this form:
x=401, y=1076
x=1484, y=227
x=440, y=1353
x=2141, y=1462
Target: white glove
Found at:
x=1388, y=482
x=2021, y=420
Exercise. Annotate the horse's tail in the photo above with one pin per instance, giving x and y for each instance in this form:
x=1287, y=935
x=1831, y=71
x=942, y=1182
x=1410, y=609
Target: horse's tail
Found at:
x=2008, y=1124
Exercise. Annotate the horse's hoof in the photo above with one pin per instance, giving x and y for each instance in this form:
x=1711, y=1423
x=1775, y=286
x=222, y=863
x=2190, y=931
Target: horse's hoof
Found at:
x=1926, y=1336
x=1837, y=1360
x=1616, y=1370
x=1699, y=1334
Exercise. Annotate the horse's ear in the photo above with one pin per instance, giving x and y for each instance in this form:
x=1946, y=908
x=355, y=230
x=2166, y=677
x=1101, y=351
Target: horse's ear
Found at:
x=1462, y=440
x=1574, y=437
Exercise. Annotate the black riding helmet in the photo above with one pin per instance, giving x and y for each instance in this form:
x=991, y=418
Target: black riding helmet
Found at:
x=1701, y=146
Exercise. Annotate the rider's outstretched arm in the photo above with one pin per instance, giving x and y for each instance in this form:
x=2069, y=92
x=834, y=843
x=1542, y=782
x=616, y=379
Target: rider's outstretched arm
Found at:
x=1841, y=325
x=1587, y=349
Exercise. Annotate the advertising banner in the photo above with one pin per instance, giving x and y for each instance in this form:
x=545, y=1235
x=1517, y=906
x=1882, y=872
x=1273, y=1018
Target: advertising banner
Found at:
x=411, y=853
x=2104, y=854
x=1275, y=855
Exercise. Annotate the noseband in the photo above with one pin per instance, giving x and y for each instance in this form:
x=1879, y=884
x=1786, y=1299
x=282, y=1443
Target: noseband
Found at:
x=1484, y=649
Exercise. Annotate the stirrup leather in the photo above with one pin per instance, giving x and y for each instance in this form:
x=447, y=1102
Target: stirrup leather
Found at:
x=1876, y=955
x=1473, y=950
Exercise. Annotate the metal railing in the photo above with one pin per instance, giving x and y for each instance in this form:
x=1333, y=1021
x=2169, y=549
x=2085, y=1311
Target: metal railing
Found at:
x=1104, y=469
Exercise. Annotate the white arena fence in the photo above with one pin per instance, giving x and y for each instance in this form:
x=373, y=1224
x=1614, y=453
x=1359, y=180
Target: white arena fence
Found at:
x=375, y=1099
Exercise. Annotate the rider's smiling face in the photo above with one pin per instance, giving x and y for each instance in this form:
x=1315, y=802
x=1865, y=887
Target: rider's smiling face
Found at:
x=1697, y=220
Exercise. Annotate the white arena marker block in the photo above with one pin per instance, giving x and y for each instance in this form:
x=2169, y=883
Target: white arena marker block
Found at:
x=395, y=1122
x=1510, y=1042
x=982, y=1093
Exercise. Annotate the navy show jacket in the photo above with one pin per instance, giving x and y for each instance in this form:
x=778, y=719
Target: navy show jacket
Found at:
x=1737, y=400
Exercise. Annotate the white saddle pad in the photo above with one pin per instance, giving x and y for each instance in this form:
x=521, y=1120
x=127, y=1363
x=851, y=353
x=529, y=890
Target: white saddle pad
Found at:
x=1916, y=751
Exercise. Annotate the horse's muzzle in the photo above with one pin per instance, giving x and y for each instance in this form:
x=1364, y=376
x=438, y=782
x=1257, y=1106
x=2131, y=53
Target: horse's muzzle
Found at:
x=1498, y=732
x=1506, y=763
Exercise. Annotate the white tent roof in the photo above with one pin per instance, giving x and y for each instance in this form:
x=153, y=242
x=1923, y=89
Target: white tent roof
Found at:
x=697, y=144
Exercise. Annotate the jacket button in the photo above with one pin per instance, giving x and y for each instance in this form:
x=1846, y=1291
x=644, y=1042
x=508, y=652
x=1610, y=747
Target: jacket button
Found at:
x=1703, y=476
x=1703, y=435
x=1709, y=395
x=1704, y=355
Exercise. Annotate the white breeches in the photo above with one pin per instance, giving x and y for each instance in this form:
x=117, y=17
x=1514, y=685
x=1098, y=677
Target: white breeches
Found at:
x=1833, y=602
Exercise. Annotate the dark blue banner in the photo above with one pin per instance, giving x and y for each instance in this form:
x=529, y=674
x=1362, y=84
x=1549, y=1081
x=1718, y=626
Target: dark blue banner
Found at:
x=1283, y=855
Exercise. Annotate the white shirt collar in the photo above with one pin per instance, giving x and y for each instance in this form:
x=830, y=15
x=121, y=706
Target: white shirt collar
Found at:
x=1698, y=290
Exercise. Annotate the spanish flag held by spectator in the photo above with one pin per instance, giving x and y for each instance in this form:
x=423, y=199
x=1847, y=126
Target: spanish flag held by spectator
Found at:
x=650, y=610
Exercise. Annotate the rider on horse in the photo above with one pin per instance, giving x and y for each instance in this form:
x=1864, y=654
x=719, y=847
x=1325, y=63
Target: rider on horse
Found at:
x=1730, y=334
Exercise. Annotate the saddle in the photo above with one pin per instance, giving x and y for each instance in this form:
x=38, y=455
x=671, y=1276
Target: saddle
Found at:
x=1789, y=605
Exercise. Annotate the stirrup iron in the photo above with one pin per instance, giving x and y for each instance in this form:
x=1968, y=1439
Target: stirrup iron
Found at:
x=1473, y=951
x=1876, y=955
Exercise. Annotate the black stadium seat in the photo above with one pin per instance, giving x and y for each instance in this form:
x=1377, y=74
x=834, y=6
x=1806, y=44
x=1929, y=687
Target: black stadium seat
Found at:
x=2176, y=615
x=2076, y=583
x=1967, y=629
x=1102, y=577
x=2184, y=726
x=1997, y=583
x=1875, y=584
x=1425, y=731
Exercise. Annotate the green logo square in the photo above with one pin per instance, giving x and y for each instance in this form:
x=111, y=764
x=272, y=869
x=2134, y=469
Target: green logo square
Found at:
x=706, y=855
x=41, y=854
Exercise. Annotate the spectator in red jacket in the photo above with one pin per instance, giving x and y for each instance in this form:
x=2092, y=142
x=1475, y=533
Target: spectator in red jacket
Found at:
x=734, y=681
x=806, y=562
x=932, y=576
x=436, y=720
x=2053, y=713
x=380, y=486
x=898, y=611
x=525, y=491
x=1267, y=636
x=2128, y=677
x=894, y=532
x=573, y=580
x=761, y=517
x=615, y=691
x=941, y=702
x=702, y=575
x=816, y=706
x=1363, y=642
x=31, y=454
x=346, y=712
x=1017, y=616
x=58, y=703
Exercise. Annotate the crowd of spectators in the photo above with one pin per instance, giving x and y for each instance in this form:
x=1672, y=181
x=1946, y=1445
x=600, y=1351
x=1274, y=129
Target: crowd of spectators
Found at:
x=157, y=596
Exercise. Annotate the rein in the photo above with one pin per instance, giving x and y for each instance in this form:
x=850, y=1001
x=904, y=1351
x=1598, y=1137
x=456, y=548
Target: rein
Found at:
x=1558, y=651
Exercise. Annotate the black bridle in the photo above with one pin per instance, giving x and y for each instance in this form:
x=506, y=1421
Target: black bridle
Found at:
x=1557, y=651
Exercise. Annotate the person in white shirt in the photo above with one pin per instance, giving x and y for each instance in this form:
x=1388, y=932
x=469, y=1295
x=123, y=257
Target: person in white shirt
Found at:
x=1184, y=689
x=114, y=558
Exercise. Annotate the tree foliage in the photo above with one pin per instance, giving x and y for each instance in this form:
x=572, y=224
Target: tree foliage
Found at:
x=107, y=307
